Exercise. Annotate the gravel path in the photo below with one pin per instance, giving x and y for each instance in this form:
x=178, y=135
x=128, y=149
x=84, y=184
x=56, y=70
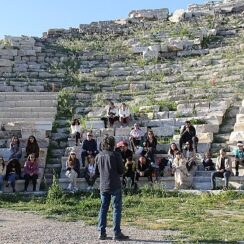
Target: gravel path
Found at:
x=25, y=227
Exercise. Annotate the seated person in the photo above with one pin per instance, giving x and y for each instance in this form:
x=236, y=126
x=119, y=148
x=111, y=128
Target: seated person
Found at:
x=182, y=177
x=32, y=147
x=208, y=162
x=188, y=134
x=239, y=156
x=2, y=172
x=90, y=171
x=150, y=146
x=164, y=168
x=143, y=169
x=31, y=171
x=75, y=129
x=72, y=171
x=135, y=136
x=130, y=169
x=190, y=156
x=223, y=169
x=173, y=149
x=144, y=138
x=89, y=147
x=112, y=115
x=15, y=149
x=126, y=152
x=124, y=114
x=13, y=172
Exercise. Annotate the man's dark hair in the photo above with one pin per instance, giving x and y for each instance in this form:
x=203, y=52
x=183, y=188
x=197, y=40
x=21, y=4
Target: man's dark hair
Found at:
x=108, y=143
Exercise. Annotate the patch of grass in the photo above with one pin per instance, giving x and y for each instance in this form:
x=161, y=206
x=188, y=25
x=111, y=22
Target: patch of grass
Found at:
x=206, y=217
x=198, y=121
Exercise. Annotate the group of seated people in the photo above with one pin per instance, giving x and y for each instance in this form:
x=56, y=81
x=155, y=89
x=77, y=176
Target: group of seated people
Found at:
x=180, y=162
x=143, y=145
x=10, y=171
x=113, y=114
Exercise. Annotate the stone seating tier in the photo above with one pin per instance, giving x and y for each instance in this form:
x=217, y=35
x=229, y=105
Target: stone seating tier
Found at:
x=19, y=186
x=199, y=183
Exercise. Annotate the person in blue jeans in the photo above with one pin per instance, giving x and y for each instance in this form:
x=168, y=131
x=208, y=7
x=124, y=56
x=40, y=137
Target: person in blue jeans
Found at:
x=2, y=171
x=109, y=166
x=223, y=169
x=13, y=172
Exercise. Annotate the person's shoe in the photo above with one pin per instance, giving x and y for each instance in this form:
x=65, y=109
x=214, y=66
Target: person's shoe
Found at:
x=225, y=188
x=213, y=189
x=237, y=173
x=102, y=236
x=120, y=237
x=14, y=190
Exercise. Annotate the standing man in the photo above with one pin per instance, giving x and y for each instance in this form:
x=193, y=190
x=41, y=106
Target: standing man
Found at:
x=110, y=167
x=223, y=169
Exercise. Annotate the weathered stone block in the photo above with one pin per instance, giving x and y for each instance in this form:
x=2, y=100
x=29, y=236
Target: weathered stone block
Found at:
x=239, y=127
x=178, y=15
x=5, y=63
x=153, y=108
x=206, y=128
x=8, y=52
x=94, y=124
x=164, y=131
x=236, y=136
x=240, y=118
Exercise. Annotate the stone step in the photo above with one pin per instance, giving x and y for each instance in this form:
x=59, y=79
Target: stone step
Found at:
x=26, y=103
x=26, y=115
x=19, y=186
x=203, y=173
x=29, y=96
x=28, y=109
x=29, y=124
x=166, y=183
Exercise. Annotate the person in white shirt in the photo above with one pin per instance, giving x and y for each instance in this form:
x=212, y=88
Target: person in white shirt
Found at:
x=76, y=130
x=136, y=136
x=90, y=172
x=124, y=114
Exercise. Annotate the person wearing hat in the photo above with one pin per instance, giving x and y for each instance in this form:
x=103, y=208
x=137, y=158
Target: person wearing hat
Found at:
x=239, y=157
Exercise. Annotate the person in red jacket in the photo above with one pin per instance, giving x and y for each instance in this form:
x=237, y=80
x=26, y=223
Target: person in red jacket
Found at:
x=31, y=171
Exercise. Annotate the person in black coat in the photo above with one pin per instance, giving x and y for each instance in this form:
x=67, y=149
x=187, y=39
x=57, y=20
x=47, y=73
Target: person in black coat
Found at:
x=89, y=147
x=150, y=146
x=188, y=134
x=143, y=169
x=32, y=147
x=208, y=162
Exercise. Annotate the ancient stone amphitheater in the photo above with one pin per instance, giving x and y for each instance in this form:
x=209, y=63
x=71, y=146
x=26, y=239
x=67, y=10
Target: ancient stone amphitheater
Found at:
x=167, y=68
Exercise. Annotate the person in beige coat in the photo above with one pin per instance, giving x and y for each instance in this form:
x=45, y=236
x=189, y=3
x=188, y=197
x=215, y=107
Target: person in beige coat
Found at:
x=223, y=169
x=183, y=179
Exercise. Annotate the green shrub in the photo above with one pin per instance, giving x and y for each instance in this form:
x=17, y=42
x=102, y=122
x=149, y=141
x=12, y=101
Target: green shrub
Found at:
x=198, y=121
x=55, y=193
x=65, y=104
